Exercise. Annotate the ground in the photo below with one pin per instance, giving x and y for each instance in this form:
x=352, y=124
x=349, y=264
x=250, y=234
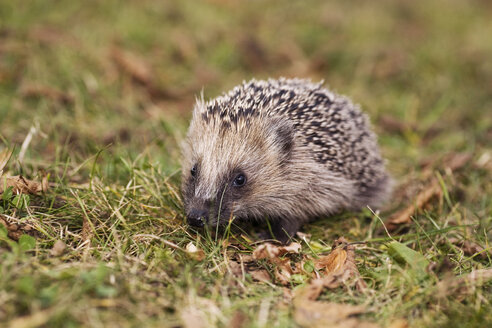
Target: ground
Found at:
x=95, y=97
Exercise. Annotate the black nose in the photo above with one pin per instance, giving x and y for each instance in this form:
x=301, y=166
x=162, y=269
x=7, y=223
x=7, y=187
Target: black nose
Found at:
x=197, y=218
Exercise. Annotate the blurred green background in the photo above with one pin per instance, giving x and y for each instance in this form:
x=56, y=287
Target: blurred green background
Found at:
x=99, y=72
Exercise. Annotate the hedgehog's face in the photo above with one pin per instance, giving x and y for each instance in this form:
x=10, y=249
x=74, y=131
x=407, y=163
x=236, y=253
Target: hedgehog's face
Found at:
x=234, y=170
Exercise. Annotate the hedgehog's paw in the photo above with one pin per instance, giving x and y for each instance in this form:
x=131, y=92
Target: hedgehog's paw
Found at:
x=281, y=230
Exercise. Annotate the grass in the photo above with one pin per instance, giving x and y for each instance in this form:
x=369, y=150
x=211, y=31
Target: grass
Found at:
x=107, y=89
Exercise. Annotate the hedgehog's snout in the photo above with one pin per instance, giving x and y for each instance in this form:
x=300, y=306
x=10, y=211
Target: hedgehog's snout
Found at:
x=197, y=217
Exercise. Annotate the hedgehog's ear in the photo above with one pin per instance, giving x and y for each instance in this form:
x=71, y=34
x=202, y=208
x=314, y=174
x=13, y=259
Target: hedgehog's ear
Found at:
x=283, y=134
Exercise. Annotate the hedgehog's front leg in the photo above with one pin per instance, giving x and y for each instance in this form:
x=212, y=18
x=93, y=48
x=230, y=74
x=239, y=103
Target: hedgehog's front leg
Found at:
x=282, y=230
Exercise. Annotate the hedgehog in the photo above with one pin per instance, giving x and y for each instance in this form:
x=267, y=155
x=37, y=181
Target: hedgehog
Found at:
x=286, y=151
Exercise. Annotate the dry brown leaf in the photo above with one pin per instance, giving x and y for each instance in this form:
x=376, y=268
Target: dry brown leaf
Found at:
x=238, y=320
x=463, y=285
x=261, y=275
x=314, y=314
x=87, y=232
x=271, y=251
x=332, y=262
x=469, y=247
x=394, y=125
x=140, y=71
x=132, y=64
x=235, y=268
x=404, y=216
x=195, y=252
x=22, y=185
x=456, y=161
x=193, y=318
x=17, y=229
x=283, y=270
x=58, y=248
x=311, y=313
x=309, y=292
x=51, y=35
x=339, y=266
x=398, y=323
x=37, y=319
x=29, y=90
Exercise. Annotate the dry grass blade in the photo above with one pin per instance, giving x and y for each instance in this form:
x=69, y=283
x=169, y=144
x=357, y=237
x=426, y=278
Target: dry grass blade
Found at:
x=5, y=156
x=404, y=216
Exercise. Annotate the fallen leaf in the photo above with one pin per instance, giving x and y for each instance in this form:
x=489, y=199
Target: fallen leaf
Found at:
x=332, y=262
x=470, y=248
x=50, y=35
x=339, y=266
x=37, y=319
x=398, y=323
x=394, y=125
x=283, y=272
x=404, y=216
x=464, y=284
x=310, y=291
x=271, y=251
x=456, y=161
x=261, y=275
x=22, y=185
x=16, y=231
x=132, y=64
x=29, y=90
x=87, y=232
x=238, y=320
x=141, y=72
x=194, y=252
x=314, y=314
x=58, y=248
x=193, y=318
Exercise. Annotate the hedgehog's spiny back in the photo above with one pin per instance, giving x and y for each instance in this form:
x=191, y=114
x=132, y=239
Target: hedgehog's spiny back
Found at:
x=337, y=134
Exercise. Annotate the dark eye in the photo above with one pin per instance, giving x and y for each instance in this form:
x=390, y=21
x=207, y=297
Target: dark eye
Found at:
x=239, y=181
x=193, y=171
